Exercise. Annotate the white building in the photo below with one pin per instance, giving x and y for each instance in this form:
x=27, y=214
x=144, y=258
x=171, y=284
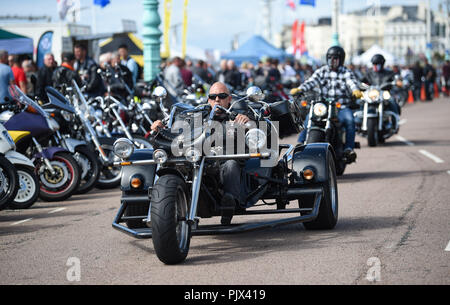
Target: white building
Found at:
x=64, y=35
x=396, y=29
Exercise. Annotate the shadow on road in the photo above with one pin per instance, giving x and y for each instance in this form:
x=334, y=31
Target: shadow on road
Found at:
x=354, y=177
x=417, y=143
x=218, y=249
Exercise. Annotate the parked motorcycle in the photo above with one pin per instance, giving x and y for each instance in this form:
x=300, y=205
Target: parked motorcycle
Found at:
x=28, y=186
x=373, y=120
x=57, y=170
x=84, y=118
x=68, y=138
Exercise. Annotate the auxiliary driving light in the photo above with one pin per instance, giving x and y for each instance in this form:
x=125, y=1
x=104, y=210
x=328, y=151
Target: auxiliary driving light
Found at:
x=192, y=155
x=160, y=156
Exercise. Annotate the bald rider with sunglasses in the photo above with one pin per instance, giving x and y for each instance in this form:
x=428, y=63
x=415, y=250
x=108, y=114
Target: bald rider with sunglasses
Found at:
x=230, y=170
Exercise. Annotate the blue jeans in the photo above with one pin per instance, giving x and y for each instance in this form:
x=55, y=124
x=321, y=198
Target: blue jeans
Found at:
x=347, y=120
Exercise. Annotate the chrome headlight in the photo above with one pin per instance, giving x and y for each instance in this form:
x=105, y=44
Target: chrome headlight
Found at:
x=123, y=148
x=386, y=95
x=255, y=138
x=320, y=110
x=66, y=115
x=374, y=94
x=160, y=156
x=192, y=155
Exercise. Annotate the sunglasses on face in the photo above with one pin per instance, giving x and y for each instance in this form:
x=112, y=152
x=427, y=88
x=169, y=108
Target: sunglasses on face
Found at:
x=220, y=95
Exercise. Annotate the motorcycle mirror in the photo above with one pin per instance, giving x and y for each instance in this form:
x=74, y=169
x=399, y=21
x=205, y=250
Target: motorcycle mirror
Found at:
x=160, y=92
x=255, y=94
x=364, y=86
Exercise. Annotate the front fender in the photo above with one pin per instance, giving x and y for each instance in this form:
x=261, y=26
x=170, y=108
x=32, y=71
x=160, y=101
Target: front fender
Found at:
x=17, y=158
x=147, y=172
x=73, y=143
x=314, y=156
x=49, y=152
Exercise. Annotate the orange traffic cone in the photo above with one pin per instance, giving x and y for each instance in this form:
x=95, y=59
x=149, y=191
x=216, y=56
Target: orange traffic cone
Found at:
x=436, y=90
x=410, y=97
x=423, y=95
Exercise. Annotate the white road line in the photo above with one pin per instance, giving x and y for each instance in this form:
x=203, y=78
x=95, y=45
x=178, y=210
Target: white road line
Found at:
x=57, y=210
x=431, y=156
x=448, y=172
x=22, y=221
x=448, y=247
x=402, y=122
x=402, y=139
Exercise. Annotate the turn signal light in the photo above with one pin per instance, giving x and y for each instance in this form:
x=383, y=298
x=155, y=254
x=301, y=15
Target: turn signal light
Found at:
x=136, y=182
x=308, y=174
x=338, y=105
x=304, y=103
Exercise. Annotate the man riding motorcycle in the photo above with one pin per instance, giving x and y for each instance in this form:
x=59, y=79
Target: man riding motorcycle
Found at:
x=336, y=82
x=378, y=76
x=230, y=170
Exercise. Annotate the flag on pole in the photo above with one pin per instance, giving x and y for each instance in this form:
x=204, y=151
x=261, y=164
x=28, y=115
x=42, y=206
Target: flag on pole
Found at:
x=101, y=3
x=301, y=39
x=291, y=4
x=63, y=8
x=185, y=23
x=308, y=2
x=44, y=46
x=166, y=33
x=294, y=36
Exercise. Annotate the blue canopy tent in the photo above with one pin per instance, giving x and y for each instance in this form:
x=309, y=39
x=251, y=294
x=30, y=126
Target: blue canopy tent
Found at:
x=253, y=50
x=15, y=44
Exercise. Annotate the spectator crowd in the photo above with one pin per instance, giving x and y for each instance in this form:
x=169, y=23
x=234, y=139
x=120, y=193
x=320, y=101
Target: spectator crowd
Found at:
x=422, y=78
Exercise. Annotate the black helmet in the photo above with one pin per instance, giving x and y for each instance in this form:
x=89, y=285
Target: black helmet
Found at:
x=378, y=59
x=336, y=51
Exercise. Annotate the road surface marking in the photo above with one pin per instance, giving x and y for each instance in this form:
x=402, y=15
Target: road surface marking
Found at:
x=402, y=122
x=431, y=156
x=402, y=139
x=448, y=172
x=448, y=247
x=22, y=221
x=57, y=210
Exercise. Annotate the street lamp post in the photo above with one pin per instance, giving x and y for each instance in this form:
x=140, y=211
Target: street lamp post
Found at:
x=335, y=22
x=151, y=39
x=428, y=24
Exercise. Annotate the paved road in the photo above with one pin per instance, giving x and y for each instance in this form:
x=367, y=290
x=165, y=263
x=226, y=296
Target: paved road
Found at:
x=393, y=228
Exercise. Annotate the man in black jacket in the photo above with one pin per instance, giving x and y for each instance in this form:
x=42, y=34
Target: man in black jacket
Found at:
x=44, y=76
x=379, y=75
x=64, y=74
x=121, y=77
x=87, y=70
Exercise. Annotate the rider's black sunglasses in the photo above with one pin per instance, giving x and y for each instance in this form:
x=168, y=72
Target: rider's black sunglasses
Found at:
x=220, y=95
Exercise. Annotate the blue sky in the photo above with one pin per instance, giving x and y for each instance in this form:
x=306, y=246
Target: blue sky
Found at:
x=211, y=23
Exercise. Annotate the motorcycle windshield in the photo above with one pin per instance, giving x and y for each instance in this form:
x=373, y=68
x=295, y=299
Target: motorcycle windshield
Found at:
x=58, y=100
x=18, y=95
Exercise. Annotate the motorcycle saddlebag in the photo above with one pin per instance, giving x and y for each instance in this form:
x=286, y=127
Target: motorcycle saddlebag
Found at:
x=287, y=116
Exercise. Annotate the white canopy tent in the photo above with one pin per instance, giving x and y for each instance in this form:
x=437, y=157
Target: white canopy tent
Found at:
x=364, y=59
